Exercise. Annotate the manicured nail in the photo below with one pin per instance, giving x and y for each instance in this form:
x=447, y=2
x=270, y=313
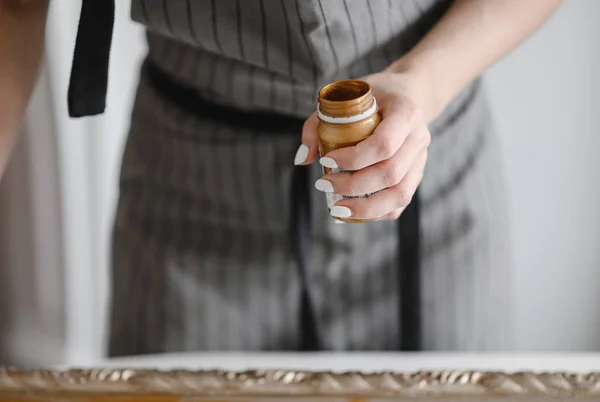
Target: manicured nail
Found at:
x=301, y=155
x=324, y=186
x=328, y=162
x=341, y=212
x=339, y=222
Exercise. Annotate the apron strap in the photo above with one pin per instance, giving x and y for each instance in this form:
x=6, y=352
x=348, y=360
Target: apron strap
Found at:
x=89, y=71
x=410, y=276
x=300, y=236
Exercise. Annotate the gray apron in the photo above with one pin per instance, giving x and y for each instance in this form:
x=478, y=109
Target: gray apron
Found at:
x=201, y=248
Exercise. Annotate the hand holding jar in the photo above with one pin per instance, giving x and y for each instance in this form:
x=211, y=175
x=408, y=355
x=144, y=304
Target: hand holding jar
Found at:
x=387, y=163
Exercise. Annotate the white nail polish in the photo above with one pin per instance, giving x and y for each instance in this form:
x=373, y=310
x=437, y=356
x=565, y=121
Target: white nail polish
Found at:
x=328, y=162
x=341, y=212
x=338, y=222
x=324, y=186
x=301, y=154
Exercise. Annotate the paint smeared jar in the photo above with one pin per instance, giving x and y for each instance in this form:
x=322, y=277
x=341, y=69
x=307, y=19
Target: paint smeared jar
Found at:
x=348, y=114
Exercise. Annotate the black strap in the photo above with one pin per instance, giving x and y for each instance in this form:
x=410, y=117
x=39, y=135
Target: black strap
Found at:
x=89, y=72
x=410, y=276
x=194, y=102
x=300, y=242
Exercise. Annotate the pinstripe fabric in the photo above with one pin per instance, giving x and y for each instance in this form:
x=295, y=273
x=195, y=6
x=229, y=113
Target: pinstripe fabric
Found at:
x=256, y=42
x=201, y=251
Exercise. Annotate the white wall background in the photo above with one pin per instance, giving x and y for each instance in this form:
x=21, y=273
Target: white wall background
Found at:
x=57, y=201
x=546, y=103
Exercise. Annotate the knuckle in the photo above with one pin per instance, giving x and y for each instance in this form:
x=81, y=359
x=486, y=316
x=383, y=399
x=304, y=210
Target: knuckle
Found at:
x=385, y=148
x=404, y=197
x=391, y=176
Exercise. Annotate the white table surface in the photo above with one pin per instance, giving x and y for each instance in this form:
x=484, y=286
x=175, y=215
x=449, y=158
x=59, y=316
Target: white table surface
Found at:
x=366, y=362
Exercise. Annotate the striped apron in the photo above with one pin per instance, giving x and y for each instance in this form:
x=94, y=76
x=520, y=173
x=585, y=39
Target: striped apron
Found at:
x=203, y=254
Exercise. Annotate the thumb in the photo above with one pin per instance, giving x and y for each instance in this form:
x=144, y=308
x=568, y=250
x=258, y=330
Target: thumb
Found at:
x=309, y=150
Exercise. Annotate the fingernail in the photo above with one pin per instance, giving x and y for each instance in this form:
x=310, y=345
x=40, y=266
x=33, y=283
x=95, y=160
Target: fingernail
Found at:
x=328, y=162
x=324, y=186
x=339, y=222
x=301, y=155
x=341, y=212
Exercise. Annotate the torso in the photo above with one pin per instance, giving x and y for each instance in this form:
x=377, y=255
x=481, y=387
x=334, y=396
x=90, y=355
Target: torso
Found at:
x=202, y=256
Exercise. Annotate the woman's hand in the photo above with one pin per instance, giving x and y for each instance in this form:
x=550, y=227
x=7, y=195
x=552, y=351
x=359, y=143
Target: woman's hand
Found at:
x=389, y=163
x=446, y=59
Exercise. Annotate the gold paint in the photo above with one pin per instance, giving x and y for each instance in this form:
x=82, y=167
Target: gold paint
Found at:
x=344, y=99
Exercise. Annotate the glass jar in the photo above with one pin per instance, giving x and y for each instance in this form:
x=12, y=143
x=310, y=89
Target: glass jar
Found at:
x=348, y=114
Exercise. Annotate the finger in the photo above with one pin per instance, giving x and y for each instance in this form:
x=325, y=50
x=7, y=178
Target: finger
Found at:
x=377, y=177
x=382, y=203
x=308, y=151
x=398, y=120
x=392, y=216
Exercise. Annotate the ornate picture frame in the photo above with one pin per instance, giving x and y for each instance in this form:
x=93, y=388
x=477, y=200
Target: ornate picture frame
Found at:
x=184, y=385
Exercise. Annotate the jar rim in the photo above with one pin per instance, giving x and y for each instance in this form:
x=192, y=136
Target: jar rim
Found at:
x=344, y=91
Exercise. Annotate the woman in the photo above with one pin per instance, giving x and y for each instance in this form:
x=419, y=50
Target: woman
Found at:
x=219, y=245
